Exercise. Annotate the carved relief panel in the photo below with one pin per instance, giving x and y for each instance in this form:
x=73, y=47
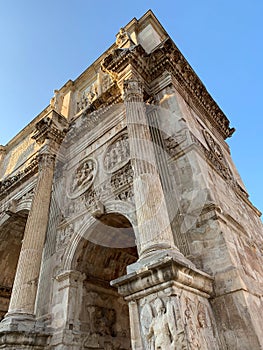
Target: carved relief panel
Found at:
x=117, y=153
x=91, y=92
x=162, y=325
x=104, y=321
x=180, y=321
x=82, y=178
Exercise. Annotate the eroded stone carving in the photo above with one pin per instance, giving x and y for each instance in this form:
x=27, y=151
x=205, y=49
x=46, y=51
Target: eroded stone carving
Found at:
x=199, y=328
x=64, y=236
x=117, y=153
x=174, y=143
x=16, y=179
x=56, y=101
x=88, y=96
x=124, y=40
x=102, y=320
x=52, y=127
x=82, y=178
x=162, y=327
x=220, y=166
x=214, y=146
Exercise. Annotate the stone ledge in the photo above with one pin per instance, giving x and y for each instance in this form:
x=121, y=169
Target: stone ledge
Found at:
x=166, y=269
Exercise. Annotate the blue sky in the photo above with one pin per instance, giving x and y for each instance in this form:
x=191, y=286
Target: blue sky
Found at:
x=46, y=43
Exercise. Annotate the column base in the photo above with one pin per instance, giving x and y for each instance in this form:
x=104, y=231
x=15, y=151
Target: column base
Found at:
x=21, y=330
x=159, y=255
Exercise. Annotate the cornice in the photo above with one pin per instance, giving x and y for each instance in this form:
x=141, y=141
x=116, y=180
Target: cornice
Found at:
x=119, y=59
x=52, y=127
x=12, y=182
x=167, y=57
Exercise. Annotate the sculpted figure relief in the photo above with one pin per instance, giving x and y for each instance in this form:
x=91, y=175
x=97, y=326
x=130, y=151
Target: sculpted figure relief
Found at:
x=82, y=178
x=162, y=326
x=117, y=153
x=124, y=40
x=56, y=101
x=87, y=97
x=214, y=146
x=160, y=329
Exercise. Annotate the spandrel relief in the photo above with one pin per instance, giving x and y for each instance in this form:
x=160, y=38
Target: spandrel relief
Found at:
x=82, y=178
x=117, y=153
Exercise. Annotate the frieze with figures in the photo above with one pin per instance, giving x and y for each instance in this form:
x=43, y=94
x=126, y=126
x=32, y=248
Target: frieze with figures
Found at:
x=102, y=83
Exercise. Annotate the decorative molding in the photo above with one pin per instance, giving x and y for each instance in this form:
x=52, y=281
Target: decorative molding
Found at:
x=119, y=59
x=52, y=127
x=45, y=160
x=167, y=57
x=89, y=118
x=221, y=167
x=13, y=181
x=110, y=96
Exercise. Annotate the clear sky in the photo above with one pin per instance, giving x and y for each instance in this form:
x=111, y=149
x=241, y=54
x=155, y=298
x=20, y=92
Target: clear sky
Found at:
x=46, y=43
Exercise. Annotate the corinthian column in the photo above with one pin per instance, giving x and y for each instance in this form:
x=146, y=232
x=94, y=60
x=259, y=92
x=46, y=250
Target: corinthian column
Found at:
x=25, y=284
x=155, y=233
x=49, y=133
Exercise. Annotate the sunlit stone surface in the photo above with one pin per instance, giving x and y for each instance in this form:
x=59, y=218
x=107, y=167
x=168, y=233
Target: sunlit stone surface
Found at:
x=124, y=223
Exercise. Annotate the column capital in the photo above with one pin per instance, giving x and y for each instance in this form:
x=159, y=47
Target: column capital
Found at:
x=52, y=127
x=133, y=90
x=45, y=160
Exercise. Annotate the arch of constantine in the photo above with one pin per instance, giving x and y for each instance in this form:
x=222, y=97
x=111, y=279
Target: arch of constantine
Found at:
x=124, y=223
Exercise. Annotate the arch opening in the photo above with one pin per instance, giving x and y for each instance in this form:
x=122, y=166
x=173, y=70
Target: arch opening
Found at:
x=104, y=316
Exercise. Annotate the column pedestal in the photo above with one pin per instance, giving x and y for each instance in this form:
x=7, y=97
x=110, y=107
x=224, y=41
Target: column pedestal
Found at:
x=169, y=306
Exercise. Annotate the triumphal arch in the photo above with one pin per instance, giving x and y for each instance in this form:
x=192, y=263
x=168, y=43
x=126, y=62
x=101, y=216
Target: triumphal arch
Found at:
x=124, y=223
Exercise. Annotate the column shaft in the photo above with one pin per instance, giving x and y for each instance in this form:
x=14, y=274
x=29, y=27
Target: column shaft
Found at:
x=152, y=216
x=26, y=279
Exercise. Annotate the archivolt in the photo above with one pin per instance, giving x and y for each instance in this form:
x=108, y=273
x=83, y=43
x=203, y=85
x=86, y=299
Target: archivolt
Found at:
x=78, y=239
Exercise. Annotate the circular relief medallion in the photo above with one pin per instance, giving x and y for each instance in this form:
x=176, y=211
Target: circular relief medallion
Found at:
x=117, y=153
x=82, y=177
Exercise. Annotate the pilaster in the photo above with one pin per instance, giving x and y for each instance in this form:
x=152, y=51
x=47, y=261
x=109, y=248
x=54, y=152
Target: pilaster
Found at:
x=67, y=308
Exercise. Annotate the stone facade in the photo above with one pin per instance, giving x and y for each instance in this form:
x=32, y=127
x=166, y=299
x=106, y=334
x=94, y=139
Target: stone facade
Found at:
x=124, y=223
